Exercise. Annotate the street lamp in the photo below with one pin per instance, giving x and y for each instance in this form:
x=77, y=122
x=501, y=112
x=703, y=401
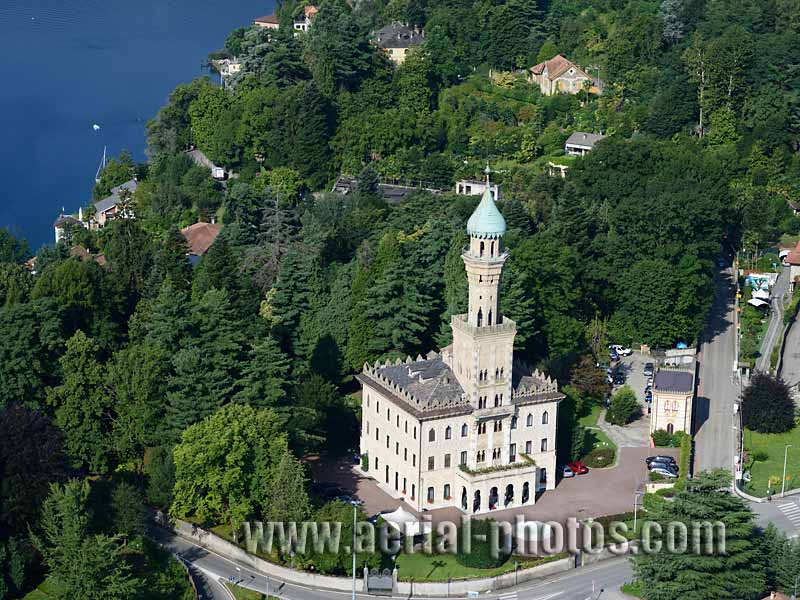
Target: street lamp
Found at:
x=783, y=482
x=635, y=505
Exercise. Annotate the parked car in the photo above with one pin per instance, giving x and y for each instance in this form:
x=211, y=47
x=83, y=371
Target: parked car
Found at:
x=612, y=354
x=619, y=378
x=348, y=499
x=664, y=472
x=663, y=466
x=660, y=458
x=648, y=396
x=578, y=467
x=648, y=369
x=566, y=472
x=621, y=350
x=648, y=388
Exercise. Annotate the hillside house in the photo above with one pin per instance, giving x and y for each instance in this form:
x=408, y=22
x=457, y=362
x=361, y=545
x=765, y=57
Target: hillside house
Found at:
x=580, y=142
x=113, y=206
x=267, y=22
x=65, y=224
x=560, y=75
x=303, y=21
x=397, y=40
x=199, y=238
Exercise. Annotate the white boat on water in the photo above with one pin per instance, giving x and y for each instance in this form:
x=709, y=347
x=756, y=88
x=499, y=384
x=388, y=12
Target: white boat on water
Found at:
x=96, y=127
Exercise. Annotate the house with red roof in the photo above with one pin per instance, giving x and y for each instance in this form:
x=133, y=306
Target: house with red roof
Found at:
x=560, y=75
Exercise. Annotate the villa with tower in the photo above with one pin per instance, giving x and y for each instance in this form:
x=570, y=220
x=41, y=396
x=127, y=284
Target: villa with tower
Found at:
x=469, y=426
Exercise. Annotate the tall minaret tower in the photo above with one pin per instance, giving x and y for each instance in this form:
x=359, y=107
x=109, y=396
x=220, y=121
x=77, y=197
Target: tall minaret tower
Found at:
x=483, y=340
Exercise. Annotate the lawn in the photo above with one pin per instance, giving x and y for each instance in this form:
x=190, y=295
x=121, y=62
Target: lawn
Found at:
x=594, y=437
x=441, y=567
x=773, y=445
x=241, y=593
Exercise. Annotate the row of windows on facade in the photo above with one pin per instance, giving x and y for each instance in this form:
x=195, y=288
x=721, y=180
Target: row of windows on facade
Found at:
x=484, y=375
x=671, y=405
x=431, y=492
x=480, y=456
x=448, y=432
x=497, y=425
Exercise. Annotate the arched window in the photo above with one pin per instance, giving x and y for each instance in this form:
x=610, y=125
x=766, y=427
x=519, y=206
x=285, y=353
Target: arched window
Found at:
x=432, y=435
x=446, y=491
x=496, y=400
x=545, y=418
x=529, y=420
x=464, y=430
x=448, y=433
x=480, y=317
x=670, y=428
x=525, y=492
x=481, y=248
x=489, y=322
x=492, y=249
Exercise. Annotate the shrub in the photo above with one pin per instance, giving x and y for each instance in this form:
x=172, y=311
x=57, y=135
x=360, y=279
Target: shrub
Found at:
x=661, y=438
x=624, y=407
x=759, y=456
x=600, y=458
x=685, y=441
x=365, y=462
x=767, y=405
x=655, y=476
x=480, y=555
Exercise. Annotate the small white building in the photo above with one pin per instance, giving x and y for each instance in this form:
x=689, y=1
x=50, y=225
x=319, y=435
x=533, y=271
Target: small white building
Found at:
x=303, y=22
x=471, y=187
x=580, y=142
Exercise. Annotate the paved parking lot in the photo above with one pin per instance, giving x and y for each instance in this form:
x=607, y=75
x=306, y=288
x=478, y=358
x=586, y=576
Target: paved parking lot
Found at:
x=637, y=433
x=597, y=493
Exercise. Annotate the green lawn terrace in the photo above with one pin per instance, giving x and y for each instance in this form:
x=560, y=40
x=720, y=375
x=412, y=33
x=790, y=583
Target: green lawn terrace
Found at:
x=766, y=474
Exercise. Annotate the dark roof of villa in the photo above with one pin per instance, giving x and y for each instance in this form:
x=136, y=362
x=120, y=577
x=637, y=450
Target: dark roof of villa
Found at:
x=674, y=380
x=427, y=387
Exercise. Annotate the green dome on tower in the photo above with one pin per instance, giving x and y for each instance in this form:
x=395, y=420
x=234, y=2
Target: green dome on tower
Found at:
x=486, y=221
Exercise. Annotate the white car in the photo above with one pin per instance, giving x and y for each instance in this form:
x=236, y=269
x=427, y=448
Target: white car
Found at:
x=664, y=472
x=621, y=350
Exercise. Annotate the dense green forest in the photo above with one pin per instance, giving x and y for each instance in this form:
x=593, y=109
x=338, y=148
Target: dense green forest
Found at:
x=124, y=371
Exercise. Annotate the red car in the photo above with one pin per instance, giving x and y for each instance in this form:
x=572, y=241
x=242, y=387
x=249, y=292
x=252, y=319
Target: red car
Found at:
x=578, y=467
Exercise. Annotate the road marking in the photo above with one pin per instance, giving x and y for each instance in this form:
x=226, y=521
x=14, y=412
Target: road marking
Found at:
x=512, y=596
x=792, y=512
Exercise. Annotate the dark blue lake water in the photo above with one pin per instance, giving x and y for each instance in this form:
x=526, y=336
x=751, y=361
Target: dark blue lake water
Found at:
x=66, y=65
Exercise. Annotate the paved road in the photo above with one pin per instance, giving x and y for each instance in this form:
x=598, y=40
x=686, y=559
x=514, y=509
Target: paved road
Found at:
x=717, y=385
x=784, y=513
x=780, y=295
x=584, y=583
